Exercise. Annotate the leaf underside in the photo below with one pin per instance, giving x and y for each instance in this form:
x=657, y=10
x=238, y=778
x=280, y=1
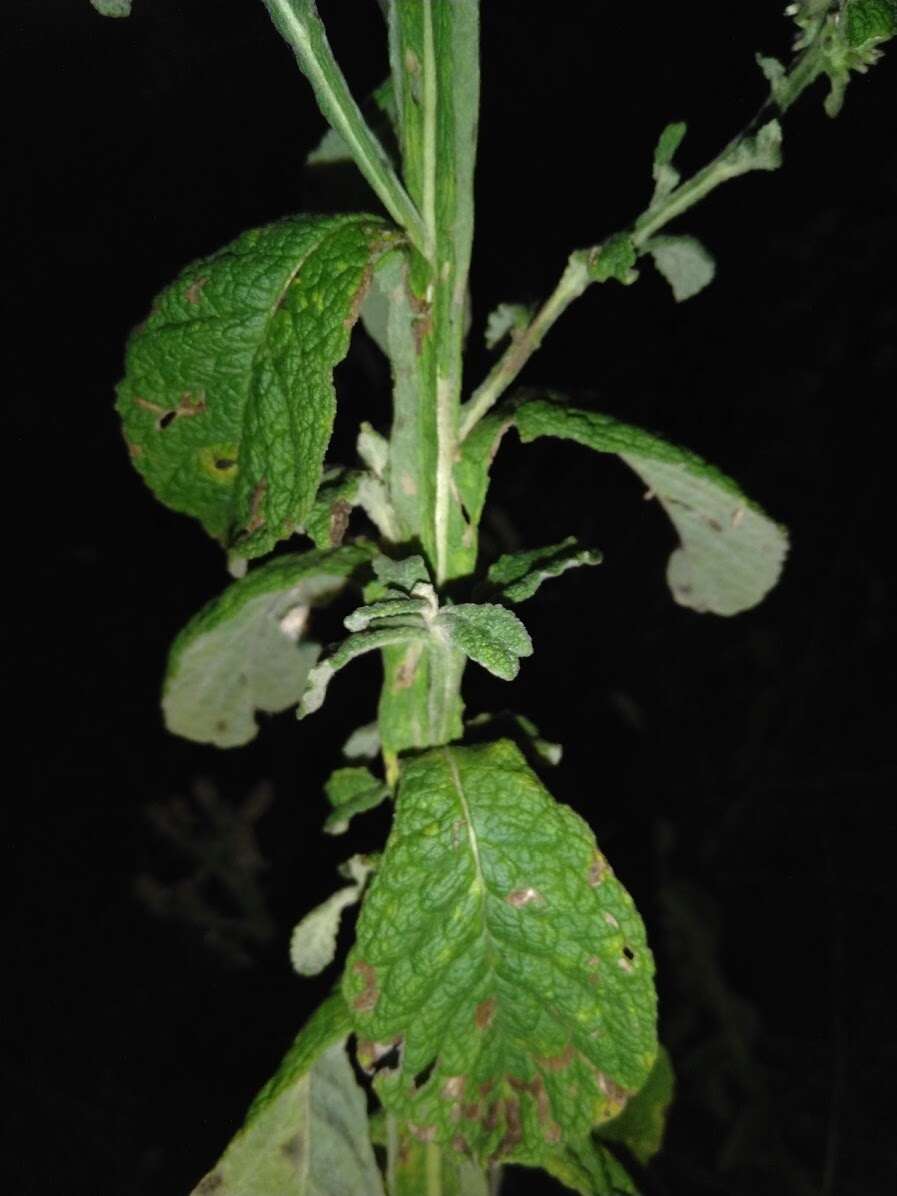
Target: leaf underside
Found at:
x=498, y=952
x=306, y=1133
x=244, y=651
x=228, y=401
x=731, y=553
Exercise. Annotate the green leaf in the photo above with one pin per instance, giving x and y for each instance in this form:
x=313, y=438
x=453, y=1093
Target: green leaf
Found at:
x=477, y=454
x=401, y=575
x=243, y=651
x=666, y=177
x=352, y=791
x=870, y=22
x=506, y=320
x=112, y=8
x=228, y=400
x=518, y=575
x=499, y=953
x=614, y=259
x=684, y=263
x=313, y=942
x=306, y=1133
x=731, y=552
x=589, y=1168
x=489, y=634
x=641, y=1125
x=328, y=519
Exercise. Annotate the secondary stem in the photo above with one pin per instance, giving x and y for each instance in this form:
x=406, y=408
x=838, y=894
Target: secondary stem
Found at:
x=575, y=279
x=573, y=283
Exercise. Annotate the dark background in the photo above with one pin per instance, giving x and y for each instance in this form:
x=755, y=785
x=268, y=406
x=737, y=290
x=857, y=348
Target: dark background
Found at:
x=740, y=773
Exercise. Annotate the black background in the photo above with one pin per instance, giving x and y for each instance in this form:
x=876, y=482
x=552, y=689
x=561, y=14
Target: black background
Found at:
x=739, y=773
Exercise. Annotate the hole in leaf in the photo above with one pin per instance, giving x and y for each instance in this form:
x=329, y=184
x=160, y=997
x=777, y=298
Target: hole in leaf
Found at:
x=422, y=1076
x=224, y=463
x=389, y=1059
x=629, y=953
x=166, y=419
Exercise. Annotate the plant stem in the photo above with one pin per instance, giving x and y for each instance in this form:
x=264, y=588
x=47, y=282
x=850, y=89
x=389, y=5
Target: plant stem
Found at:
x=575, y=279
x=573, y=283
x=300, y=25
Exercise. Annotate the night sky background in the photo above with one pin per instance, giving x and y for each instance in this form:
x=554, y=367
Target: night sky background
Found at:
x=739, y=773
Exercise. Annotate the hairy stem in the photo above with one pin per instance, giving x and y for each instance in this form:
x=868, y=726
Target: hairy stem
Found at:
x=575, y=279
x=301, y=27
x=573, y=283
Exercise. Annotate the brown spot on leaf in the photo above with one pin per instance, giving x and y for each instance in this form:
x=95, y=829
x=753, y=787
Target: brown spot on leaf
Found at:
x=559, y=1062
x=134, y=449
x=521, y=897
x=484, y=1013
x=459, y=1143
x=370, y=994
x=453, y=1087
x=486, y=1087
x=191, y=404
x=339, y=521
x=625, y=965
x=256, y=515
x=552, y=1132
x=490, y=1121
x=616, y=1094
x=358, y=298
x=471, y=1111
x=599, y=869
x=213, y=1182
x=146, y=405
x=611, y=921
x=293, y=1148
x=514, y=1133
x=737, y=516
x=194, y=290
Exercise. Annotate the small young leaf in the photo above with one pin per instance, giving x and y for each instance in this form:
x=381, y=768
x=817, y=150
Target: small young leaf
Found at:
x=684, y=263
x=373, y=449
x=614, y=259
x=243, y=652
x=498, y=951
x=518, y=575
x=490, y=635
x=387, y=608
x=762, y=151
x=351, y=791
x=526, y=733
x=507, y=319
x=666, y=177
x=313, y=942
x=363, y=743
x=112, y=8
x=641, y=1125
x=401, y=575
x=307, y=1125
x=776, y=75
x=328, y=519
x=731, y=552
x=228, y=400
x=356, y=645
